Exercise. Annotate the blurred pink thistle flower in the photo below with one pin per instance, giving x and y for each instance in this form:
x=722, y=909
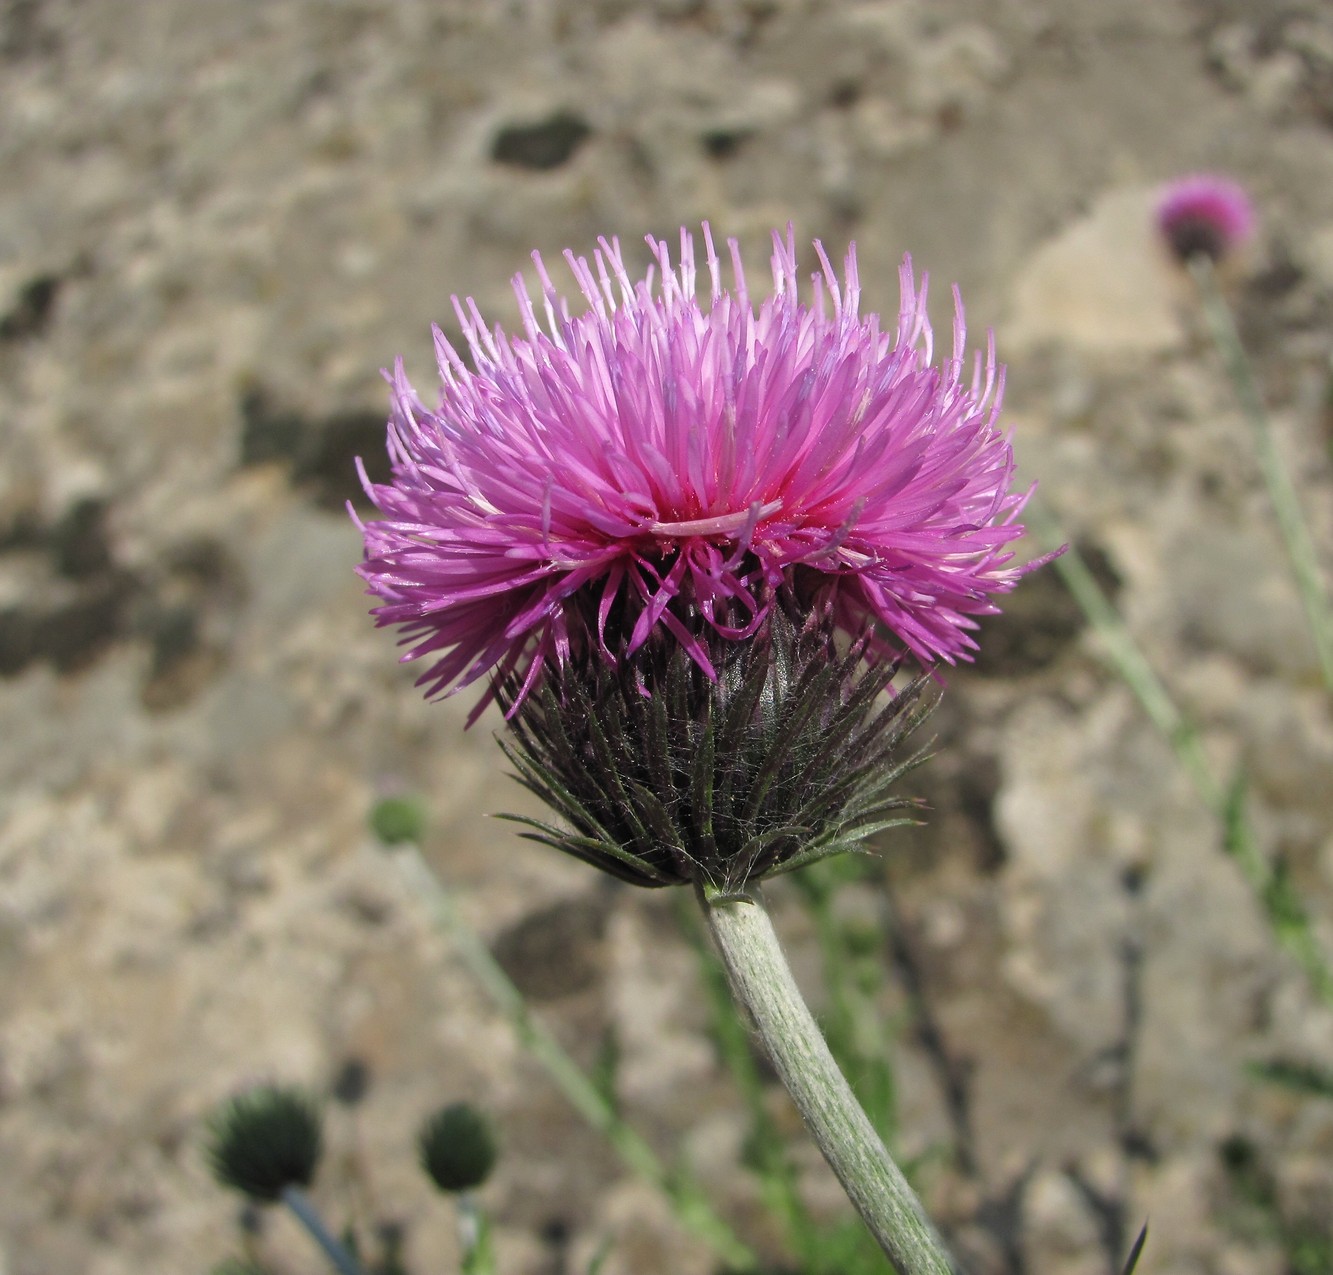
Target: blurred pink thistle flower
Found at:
x=654, y=461
x=1204, y=214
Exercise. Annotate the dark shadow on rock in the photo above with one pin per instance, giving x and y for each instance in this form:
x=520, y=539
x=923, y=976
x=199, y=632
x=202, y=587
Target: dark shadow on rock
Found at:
x=326, y=465
x=974, y=792
x=196, y=588
x=268, y=432
x=25, y=33
x=85, y=602
x=351, y=1082
x=79, y=541
x=543, y=144
x=70, y=635
x=957, y=786
x=32, y=310
x=723, y=143
x=1039, y=620
x=554, y=952
x=83, y=605
x=320, y=452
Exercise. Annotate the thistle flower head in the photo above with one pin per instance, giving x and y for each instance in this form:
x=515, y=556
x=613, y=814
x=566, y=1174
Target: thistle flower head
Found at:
x=655, y=459
x=1206, y=215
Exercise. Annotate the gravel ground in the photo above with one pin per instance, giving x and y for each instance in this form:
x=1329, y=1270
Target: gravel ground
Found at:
x=218, y=220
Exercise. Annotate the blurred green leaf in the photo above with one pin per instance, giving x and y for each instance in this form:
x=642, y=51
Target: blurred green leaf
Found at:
x=1137, y=1251
x=1299, y=1077
x=605, y=1069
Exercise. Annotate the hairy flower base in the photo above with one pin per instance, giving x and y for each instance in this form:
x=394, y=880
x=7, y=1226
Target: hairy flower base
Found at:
x=666, y=776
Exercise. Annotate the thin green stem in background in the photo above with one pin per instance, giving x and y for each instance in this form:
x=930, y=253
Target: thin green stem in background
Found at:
x=1272, y=884
x=687, y=1198
x=1281, y=489
x=1128, y=658
x=339, y=1258
x=857, y=1033
x=1286, y=915
x=762, y=982
x=474, y=1237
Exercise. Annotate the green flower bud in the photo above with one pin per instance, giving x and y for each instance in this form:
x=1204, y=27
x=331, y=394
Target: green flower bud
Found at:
x=395, y=820
x=457, y=1148
x=264, y=1141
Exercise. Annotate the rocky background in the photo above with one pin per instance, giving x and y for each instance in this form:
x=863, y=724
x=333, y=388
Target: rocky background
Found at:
x=218, y=220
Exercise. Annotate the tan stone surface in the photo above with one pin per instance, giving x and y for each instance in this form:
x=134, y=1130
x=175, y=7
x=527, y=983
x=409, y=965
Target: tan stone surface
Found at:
x=218, y=220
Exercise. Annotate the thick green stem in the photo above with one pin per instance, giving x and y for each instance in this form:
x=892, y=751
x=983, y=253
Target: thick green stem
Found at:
x=762, y=981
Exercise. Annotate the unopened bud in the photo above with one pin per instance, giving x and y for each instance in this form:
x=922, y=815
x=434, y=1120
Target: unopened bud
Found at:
x=457, y=1148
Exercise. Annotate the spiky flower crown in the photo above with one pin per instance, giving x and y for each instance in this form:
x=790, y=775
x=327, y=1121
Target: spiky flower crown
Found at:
x=663, y=443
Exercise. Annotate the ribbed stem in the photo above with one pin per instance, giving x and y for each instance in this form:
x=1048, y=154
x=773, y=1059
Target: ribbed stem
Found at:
x=762, y=981
x=340, y=1259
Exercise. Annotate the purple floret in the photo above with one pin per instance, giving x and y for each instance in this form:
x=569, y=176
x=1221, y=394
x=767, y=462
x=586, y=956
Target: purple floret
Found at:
x=656, y=462
x=1204, y=214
